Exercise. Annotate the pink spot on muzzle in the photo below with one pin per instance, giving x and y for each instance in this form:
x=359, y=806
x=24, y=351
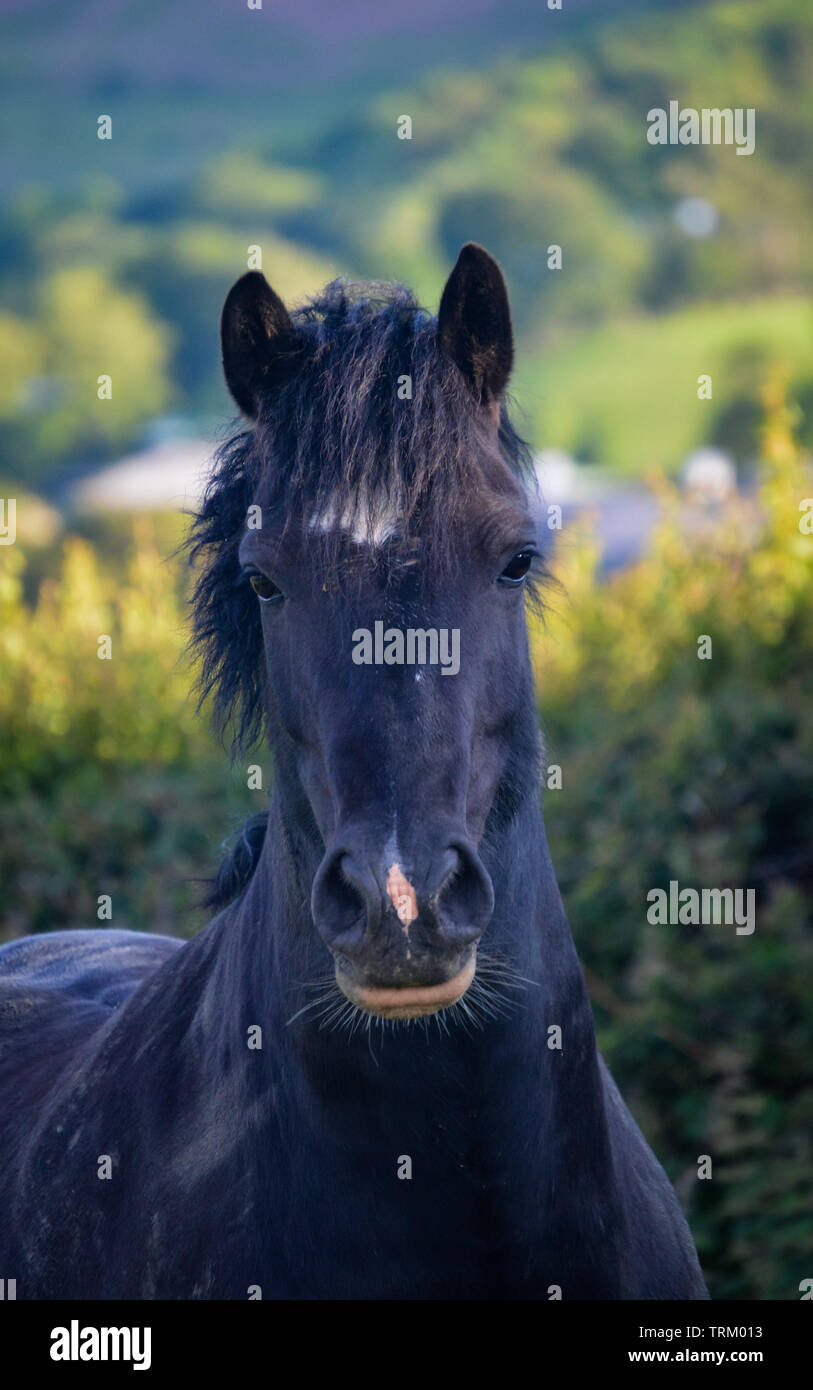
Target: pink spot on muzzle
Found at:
x=402, y=896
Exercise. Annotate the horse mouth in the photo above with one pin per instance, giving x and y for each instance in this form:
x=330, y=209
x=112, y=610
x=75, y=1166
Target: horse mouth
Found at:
x=409, y=1001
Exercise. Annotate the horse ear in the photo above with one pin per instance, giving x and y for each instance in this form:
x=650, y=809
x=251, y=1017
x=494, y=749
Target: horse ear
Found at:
x=260, y=347
x=474, y=323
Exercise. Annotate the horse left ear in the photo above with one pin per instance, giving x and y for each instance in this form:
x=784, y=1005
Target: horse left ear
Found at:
x=260, y=347
x=474, y=324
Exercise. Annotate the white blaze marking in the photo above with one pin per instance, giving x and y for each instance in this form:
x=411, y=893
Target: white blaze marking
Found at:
x=371, y=521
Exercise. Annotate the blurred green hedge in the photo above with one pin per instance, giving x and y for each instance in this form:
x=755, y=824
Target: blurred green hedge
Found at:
x=700, y=771
x=109, y=780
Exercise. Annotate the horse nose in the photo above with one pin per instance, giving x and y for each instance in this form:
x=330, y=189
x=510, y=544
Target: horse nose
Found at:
x=357, y=898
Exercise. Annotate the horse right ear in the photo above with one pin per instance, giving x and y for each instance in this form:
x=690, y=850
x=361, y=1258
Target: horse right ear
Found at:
x=474, y=324
x=260, y=347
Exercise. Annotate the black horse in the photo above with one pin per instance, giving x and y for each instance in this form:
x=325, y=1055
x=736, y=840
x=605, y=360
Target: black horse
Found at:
x=374, y=1073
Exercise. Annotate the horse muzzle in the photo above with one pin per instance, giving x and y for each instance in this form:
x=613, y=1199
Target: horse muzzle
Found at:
x=403, y=934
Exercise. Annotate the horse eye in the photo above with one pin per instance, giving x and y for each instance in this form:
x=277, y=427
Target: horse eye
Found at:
x=264, y=588
x=516, y=569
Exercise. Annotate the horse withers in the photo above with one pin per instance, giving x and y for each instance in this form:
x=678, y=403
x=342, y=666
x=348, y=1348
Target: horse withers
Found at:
x=374, y=1073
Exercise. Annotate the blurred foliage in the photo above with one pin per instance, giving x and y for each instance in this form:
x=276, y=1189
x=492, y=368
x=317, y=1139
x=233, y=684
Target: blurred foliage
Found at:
x=699, y=771
x=673, y=767
x=109, y=782
x=103, y=272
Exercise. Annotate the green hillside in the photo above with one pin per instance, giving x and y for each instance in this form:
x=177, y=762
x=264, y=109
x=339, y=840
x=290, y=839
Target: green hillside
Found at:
x=675, y=260
x=625, y=393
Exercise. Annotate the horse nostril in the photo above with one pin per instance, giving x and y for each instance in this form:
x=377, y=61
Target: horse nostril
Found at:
x=349, y=902
x=343, y=901
x=466, y=901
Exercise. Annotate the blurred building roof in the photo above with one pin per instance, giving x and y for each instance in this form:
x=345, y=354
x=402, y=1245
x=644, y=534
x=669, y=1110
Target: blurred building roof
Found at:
x=170, y=473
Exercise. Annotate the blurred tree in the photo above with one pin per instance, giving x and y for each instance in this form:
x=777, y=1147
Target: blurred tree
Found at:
x=86, y=328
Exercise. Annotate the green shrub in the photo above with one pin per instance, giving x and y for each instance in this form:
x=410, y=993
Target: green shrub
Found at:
x=109, y=782
x=700, y=771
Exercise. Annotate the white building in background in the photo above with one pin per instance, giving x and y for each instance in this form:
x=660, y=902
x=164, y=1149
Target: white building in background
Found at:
x=172, y=473
x=710, y=474
x=623, y=510
x=563, y=480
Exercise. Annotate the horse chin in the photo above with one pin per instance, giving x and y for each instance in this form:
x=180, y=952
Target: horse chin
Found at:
x=408, y=1001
